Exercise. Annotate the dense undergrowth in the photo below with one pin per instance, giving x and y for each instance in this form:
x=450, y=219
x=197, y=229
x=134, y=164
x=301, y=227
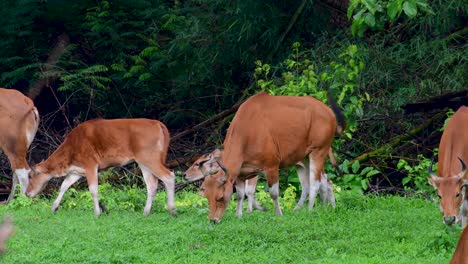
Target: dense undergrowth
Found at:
x=362, y=229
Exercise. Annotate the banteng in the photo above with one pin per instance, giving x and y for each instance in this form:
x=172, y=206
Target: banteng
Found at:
x=269, y=133
x=19, y=121
x=451, y=177
x=99, y=144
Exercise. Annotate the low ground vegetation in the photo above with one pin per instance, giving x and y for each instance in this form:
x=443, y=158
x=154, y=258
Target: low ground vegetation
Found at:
x=362, y=229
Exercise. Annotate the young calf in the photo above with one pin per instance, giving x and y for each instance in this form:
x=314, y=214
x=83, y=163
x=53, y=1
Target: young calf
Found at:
x=99, y=144
x=208, y=164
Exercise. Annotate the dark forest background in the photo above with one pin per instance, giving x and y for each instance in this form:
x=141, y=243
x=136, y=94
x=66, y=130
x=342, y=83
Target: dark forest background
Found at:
x=191, y=63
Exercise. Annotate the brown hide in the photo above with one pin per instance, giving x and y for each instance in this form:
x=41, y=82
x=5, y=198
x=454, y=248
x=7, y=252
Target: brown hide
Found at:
x=460, y=256
x=19, y=120
x=453, y=146
x=99, y=144
x=271, y=132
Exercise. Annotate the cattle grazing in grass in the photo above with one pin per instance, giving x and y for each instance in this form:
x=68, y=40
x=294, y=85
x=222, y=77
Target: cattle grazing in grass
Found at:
x=273, y=132
x=99, y=144
x=207, y=164
x=451, y=180
x=460, y=256
x=19, y=121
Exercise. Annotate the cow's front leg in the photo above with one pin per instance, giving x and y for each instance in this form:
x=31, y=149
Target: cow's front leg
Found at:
x=69, y=181
x=272, y=175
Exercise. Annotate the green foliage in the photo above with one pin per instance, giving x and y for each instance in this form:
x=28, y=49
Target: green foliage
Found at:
x=417, y=175
x=449, y=115
x=355, y=178
x=375, y=14
x=412, y=230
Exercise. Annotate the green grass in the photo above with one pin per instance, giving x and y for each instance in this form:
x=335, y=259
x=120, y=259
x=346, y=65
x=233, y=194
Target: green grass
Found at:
x=362, y=229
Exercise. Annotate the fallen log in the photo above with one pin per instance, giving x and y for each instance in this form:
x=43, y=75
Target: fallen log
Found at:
x=395, y=142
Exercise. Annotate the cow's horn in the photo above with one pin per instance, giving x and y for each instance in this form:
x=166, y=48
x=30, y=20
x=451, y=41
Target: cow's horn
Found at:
x=222, y=166
x=462, y=164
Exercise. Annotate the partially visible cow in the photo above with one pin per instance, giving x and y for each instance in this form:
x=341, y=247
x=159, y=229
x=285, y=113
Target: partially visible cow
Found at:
x=6, y=230
x=99, y=144
x=19, y=121
x=451, y=173
x=460, y=256
x=208, y=164
x=273, y=132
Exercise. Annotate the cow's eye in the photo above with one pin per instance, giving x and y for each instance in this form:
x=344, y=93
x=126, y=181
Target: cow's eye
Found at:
x=440, y=197
x=197, y=164
x=458, y=194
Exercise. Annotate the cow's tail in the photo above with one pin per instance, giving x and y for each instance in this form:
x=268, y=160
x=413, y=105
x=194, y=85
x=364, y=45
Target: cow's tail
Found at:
x=340, y=118
x=166, y=139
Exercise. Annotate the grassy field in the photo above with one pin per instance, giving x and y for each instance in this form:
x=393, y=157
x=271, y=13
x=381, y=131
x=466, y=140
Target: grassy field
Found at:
x=362, y=229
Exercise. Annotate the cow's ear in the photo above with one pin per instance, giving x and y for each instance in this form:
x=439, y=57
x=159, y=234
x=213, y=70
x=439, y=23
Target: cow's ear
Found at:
x=433, y=180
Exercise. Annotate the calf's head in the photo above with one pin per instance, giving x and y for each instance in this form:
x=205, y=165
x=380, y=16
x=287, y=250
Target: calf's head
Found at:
x=218, y=192
x=449, y=190
x=37, y=180
x=203, y=166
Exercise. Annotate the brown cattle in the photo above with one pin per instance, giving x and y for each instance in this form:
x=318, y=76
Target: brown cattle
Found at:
x=460, y=256
x=19, y=121
x=273, y=132
x=451, y=176
x=208, y=164
x=99, y=144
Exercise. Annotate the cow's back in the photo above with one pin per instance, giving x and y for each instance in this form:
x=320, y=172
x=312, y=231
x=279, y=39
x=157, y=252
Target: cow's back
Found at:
x=14, y=108
x=280, y=128
x=454, y=144
x=112, y=141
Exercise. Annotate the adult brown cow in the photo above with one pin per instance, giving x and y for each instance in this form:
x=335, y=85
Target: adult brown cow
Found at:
x=273, y=132
x=460, y=256
x=19, y=120
x=451, y=177
x=99, y=144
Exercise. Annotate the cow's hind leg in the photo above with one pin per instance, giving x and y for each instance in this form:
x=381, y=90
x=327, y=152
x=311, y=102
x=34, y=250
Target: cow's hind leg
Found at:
x=151, y=187
x=316, y=162
x=303, y=174
x=69, y=181
x=91, y=177
x=167, y=177
x=272, y=175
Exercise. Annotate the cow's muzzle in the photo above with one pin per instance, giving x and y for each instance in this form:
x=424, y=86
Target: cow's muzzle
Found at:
x=449, y=220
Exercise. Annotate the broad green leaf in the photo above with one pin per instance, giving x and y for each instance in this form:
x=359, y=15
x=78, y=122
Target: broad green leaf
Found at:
x=394, y=8
x=355, y=166
x=406, y=180
x=410, y=8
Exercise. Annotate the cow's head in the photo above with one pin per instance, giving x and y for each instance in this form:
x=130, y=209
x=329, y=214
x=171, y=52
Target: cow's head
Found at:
x=203, y=166
x=450, y=192
x=217, y=191
x=37, y=180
